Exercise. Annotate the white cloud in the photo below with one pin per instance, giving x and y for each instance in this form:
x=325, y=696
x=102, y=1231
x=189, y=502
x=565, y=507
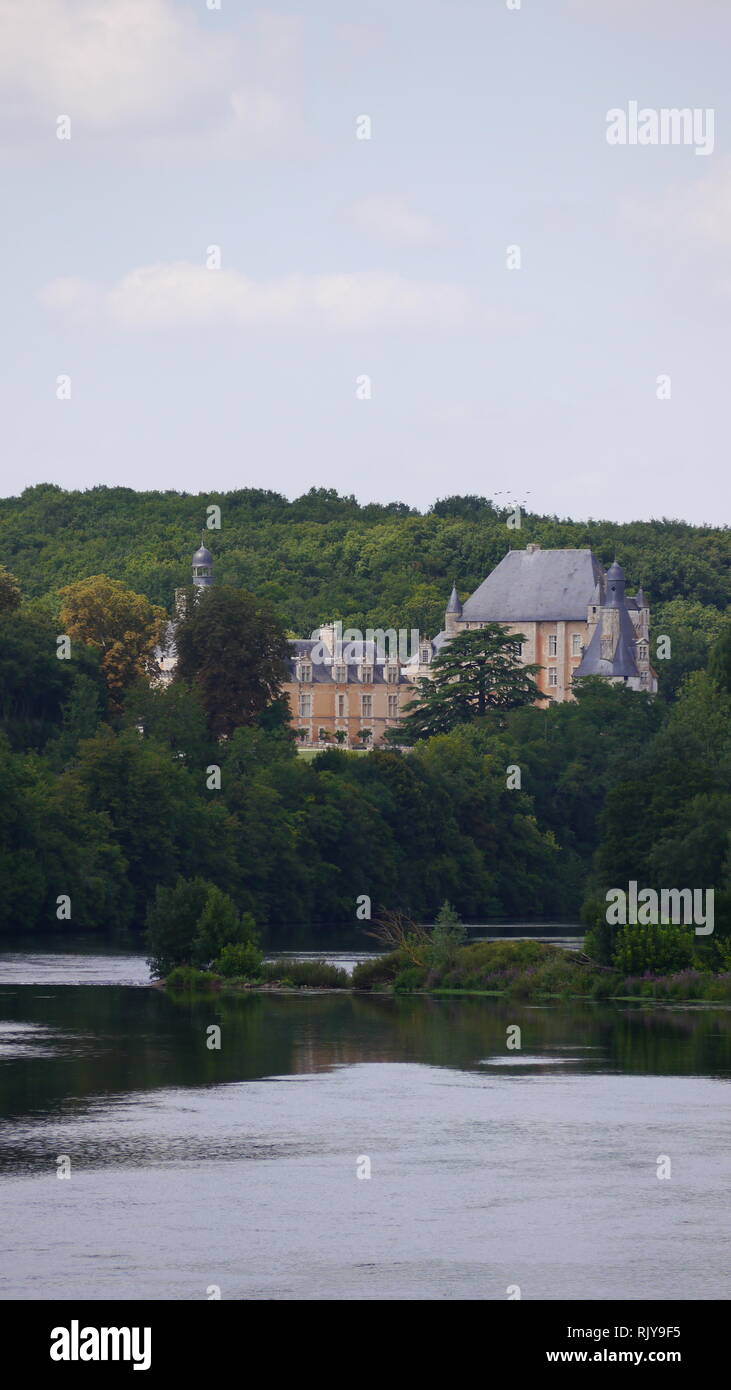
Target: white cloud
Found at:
x=392, y=219
x=147, y=67
x=692, y=221
x=695, y=215
x=183, y=295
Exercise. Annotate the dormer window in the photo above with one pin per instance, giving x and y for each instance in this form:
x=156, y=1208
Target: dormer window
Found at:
x=366, y=674
x=305, y=672
x=340, y=674
x=642, y=651
x=425, y=655
x=392, y=674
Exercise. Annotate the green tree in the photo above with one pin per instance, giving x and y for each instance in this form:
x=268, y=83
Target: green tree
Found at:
x=81, y=717
x=171, y=923
x=191, y=922
x=219, y=925
x=160, y=814
x=34, y=685
x=473, y=672
x=232, y=650
x=447, y=937
x=719, y=661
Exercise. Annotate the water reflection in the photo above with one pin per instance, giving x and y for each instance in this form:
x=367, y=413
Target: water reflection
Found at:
x=87, y=1041
x=238, y=1166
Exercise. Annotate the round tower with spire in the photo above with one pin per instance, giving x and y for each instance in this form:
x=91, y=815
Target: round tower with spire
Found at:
x=202, y=566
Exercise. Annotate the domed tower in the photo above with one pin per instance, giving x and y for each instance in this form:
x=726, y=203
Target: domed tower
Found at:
x=615, y=586
x=202, y=567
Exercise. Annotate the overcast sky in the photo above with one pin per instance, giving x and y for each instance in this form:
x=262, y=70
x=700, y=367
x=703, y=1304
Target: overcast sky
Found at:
x=382, y=258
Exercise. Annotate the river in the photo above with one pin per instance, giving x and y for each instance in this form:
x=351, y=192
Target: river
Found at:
x=237, y=1169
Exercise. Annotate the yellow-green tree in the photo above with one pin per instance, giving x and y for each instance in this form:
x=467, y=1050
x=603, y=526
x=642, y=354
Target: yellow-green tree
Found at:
x=123, y=625
x=10, y=594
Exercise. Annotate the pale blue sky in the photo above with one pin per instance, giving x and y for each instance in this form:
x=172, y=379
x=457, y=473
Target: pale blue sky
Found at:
x=236, y=128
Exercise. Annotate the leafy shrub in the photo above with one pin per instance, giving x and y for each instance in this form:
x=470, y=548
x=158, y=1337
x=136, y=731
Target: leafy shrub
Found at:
x=600, y=937
x=185, y=977
x=557, y=977
x=219, y=925
x=657, y=948
x=190, y=922
x=239, y=959
x=379, y=972
x=316, y=973
x=410, y=978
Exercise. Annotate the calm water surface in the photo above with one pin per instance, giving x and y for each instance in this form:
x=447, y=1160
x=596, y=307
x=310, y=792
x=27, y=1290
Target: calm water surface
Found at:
x=192, y=1167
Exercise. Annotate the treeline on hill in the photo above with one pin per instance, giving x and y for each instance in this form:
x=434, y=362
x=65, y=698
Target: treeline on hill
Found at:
x=108, y=794
x=324, y=556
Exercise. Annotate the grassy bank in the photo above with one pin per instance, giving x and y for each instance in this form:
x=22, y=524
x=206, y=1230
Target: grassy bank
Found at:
x=534, y=970
x=281, y=974
x=524, y=970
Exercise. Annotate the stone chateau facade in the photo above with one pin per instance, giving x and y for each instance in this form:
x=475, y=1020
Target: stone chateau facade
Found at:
x=575, y=617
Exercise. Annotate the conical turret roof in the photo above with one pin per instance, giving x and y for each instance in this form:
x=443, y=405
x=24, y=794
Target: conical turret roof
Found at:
x=454, y=605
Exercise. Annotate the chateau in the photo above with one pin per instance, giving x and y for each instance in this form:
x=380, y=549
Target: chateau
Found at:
x=575, y=618
x=574, y=615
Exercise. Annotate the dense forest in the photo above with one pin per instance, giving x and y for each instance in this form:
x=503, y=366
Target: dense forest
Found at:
x=323, y=556
x=106, y=791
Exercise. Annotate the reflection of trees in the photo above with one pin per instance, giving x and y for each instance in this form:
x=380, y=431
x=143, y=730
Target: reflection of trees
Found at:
x=683, y=1042
x=104, y=1041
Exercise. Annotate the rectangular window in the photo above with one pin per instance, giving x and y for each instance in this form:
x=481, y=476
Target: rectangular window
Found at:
x=642, y=652
x=552, y=676
x=552, y=646
x=392, y=674
x=340, y=674
x=393, y=706
x=367, y=705
x=305, y=706
x=341, y=706
x=366, y=674
x=305, y=672
x=576, y=644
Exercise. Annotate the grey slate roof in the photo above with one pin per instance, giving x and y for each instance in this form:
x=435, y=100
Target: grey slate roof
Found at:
x=454, y=605
x=357, y=653
x=541, y=586
x=621, y=663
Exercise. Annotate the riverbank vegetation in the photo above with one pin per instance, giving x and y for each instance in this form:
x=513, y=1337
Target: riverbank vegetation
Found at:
x=440, y=960
x=669, y=964
x=115, y=792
